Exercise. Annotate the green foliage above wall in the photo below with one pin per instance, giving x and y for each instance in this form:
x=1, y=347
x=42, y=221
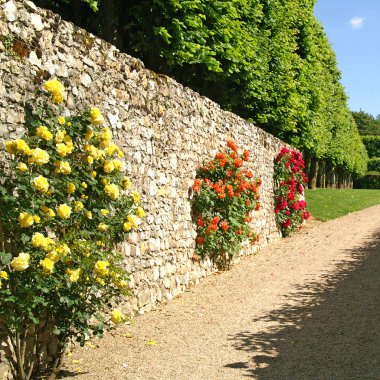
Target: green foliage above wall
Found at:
x=269, y=61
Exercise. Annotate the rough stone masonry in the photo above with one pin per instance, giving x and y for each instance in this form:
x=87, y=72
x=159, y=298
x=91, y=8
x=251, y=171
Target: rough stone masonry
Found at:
x=165, y=130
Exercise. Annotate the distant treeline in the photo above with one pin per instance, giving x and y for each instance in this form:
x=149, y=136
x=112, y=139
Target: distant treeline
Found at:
x=268, y=61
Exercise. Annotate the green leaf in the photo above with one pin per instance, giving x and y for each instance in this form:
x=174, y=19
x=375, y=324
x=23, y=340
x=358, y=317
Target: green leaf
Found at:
x=5, y=257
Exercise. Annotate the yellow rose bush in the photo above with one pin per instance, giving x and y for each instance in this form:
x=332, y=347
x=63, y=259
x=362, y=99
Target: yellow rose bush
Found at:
x=66, y=202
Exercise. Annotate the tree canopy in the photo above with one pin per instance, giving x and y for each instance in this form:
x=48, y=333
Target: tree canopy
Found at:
x=269, y=61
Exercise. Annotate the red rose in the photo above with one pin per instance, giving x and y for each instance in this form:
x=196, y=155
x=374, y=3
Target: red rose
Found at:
x=212, y=227
x=231, y=144
x=215, y=220
x=200, y=240
x=224, y=226
x=197, y=185
x=200, y=222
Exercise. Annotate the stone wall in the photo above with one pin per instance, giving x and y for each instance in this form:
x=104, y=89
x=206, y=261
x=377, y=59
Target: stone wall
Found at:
x=165, y=130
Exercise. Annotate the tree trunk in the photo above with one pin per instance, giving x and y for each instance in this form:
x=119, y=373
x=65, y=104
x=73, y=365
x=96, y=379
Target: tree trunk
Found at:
x=321, y=177
x=328, y=170
x=333, y=178
x=340, y=176
x=313, y=173
x=110, y=13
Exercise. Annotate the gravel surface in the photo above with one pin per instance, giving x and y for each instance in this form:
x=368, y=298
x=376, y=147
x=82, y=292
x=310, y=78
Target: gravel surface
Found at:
x=306, y=307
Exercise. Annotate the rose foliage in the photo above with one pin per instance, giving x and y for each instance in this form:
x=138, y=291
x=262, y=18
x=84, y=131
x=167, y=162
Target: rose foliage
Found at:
x=289, y=180
x=225, y=196
x=65, y=203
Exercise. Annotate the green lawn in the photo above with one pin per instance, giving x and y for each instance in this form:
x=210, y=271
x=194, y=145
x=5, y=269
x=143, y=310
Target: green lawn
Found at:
x=325, y=204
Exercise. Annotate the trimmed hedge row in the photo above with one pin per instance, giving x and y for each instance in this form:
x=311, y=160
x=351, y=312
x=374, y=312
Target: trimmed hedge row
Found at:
x=374, y=164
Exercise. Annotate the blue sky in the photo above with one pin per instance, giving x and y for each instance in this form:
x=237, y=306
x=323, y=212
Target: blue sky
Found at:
x=353, y=28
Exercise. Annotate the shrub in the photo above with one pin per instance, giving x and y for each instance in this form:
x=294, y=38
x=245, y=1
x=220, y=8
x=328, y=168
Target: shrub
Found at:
x=369, y=181
x=65, y=204
x=289, y=180
x=225, y=196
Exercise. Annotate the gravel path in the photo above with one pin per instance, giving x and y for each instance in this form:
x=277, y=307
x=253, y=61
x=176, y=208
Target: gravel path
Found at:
x=306, y=307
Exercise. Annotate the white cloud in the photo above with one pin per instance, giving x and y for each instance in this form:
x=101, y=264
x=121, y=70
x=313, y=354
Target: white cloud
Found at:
x=357, y=22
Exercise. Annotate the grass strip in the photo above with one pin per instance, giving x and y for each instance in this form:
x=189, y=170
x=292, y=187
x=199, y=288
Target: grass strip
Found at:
x=326, y=204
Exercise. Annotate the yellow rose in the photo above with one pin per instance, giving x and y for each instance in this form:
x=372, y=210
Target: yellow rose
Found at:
x=68, y=124
x=53, y=85
x=41, y=183
x=88, y=214
x=44, y=133
x=25, y=219
x=89, y=134
x=101, y=268
x=38, y=157
x=63, y=167
x=70, y=188
x=133, y=220
x=21, y=262
x=63, y=249
x=4, y=275
x=127, y=226
x=93, y=174
x=64, y=211
x=116, y=316
x=61, y=120
x=122, y=284
x=104, y=211
x=47, y=265
x=102, y=227
x=36, y=219
x=125, y=183
x=106, y=134
x=78, y=206
x=59, y=136
x=73, y=274
x=135, y=195
x=68, y=140
x=90, y=160
x=10, y=147
x=22, y=167
x=56, y=89
x=47, y=244
x=100, y=281
x=19, y=146
x=93, y=151
x=108, y=167
x=111, y=149
x=84, y=185
x=112, y=191
x=53, y=256
x=62, y=149
x=140, y=212
x=117, y=164
x=37, y=239
x=96, y=116
x=48, y=211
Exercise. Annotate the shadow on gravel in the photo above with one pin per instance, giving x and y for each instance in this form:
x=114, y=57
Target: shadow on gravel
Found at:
x=332, y=334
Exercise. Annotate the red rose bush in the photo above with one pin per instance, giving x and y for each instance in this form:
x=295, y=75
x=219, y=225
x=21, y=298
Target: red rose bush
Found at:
x=225, y=196
x=289, y=181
